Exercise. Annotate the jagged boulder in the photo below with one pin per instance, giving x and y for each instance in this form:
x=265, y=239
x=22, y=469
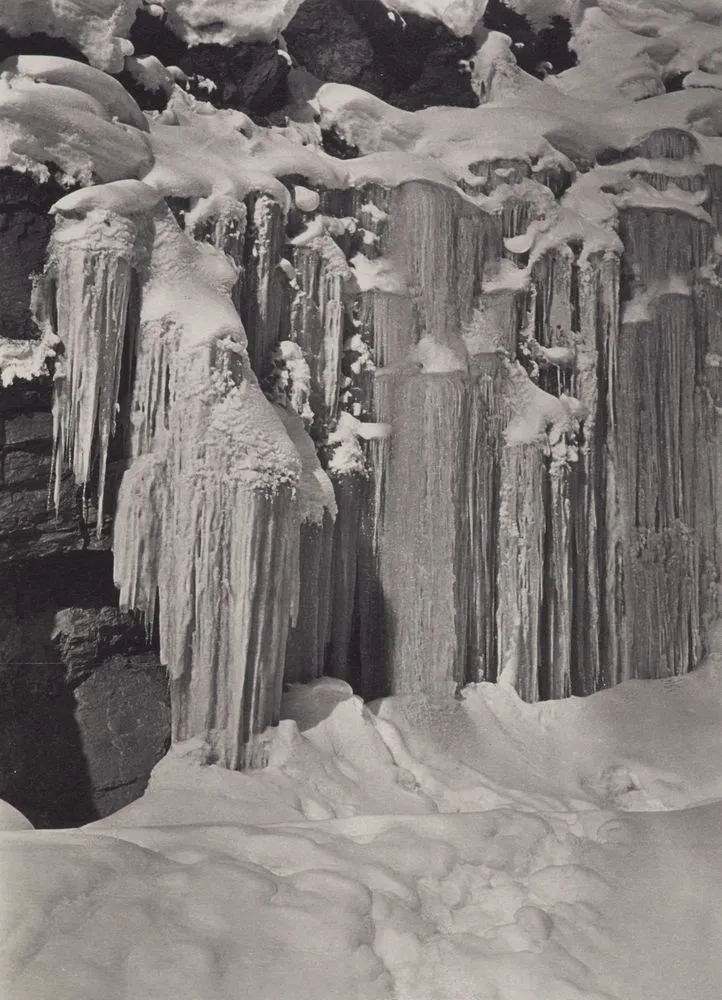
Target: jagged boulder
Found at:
x=540, y=50
x=409, y=61
x=84, y=637
x=248, y=77
x=84, y=712
x=25, y=228
x=123, y=717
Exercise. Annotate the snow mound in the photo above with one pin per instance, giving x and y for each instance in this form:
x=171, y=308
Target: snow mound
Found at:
x=412, y=849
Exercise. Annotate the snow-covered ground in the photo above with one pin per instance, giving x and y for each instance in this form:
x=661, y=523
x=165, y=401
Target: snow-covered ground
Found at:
x=462, y=849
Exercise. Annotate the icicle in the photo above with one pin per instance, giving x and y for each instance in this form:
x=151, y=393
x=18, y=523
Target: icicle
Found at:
x=557, y=610
x=520, y=573
x=310, y=635
x=331, y=306
x=488, y=417
x=91, y=263
x=660, y=241
x=393, y=321
x=552, y=278
x=154, y=352
x=666, y=143
x=534, y=617
x=137, y=535
x=264, y=284
x=443, y=283
x=318, y=327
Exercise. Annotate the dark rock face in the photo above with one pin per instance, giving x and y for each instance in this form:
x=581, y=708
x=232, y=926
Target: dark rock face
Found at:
x=84, y=712
x=328, y=41
x=250, y=78
x=37, y=44
x=25, y=228
x=29, y=527
x=123, y=717
x=409, y=61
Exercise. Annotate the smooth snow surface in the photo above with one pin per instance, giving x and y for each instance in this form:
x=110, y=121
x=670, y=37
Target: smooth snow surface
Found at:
x=452, y=849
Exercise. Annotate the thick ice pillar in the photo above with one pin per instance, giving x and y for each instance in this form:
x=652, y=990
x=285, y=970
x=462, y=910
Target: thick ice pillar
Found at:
x=423, y=547
x=654, y=429
x=226, y=606
x=209, y=517
x=708, y=444
x=596, y=519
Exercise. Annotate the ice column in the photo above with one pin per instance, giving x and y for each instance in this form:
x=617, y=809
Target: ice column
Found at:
x=208, y=513
x=263, y=283
x=424, y=564
x=309, y=638
x=655, y=430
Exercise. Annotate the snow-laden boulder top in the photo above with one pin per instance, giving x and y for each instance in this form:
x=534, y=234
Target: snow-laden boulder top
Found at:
x=228, y=21
x=98, y=28
x=461, y=16
x=72, y=116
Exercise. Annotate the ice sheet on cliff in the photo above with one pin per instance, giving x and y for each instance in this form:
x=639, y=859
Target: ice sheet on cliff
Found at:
x=534, y=457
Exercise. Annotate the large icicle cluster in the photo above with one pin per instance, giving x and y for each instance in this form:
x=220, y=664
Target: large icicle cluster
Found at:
x=207, y=513
x=444, y=412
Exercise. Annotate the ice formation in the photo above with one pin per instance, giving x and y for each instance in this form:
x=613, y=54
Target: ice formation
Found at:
x=439, y=413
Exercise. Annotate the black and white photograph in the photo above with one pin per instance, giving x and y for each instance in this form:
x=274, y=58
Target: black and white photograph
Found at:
x=361, y=500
